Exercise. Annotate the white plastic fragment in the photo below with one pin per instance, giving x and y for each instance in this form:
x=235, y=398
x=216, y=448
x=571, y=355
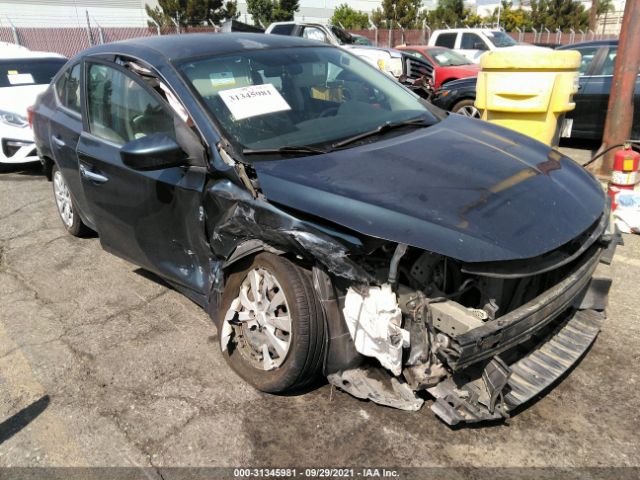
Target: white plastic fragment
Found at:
x=227, y=329
x=374, y=324
x=627, y=214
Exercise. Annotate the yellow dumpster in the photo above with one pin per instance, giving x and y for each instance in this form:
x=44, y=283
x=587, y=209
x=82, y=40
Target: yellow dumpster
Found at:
x=528, y=90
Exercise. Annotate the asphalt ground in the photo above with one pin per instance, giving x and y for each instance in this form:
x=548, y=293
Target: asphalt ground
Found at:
x=101, y=364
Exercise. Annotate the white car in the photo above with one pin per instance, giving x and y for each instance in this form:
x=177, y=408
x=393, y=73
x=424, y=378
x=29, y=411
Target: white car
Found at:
x=473, y=42
x=23, y=76
x=388, y=60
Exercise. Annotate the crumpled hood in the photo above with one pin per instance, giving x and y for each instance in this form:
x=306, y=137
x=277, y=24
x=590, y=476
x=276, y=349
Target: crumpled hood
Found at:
x=462, y=188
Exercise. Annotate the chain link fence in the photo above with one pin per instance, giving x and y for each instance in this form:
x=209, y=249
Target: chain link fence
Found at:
x=68, y=41
x=391, y=38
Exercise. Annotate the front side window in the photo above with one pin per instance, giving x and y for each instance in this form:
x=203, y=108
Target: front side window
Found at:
x=314, y=33
x=471, y=41
x=446, y=40
x=68, y=88
x=121, y=109
x=298, y=96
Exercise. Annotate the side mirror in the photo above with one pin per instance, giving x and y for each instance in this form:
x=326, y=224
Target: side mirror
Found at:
x=153, y=152
x=479, y=46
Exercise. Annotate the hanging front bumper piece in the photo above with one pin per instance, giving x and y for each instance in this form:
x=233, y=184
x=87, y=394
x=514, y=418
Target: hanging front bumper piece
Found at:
x=459, y=400
x=482, y=370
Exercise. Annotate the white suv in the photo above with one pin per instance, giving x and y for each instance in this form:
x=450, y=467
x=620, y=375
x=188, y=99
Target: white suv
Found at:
x=473, y=42
x=23, y=75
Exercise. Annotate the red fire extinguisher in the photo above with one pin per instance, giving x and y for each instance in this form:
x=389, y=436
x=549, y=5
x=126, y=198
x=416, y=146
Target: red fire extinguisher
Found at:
x=624, y=175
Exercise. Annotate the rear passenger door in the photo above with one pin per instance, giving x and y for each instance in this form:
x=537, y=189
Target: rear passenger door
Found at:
x=66, y=127
x=584, y=115
x=151, y=218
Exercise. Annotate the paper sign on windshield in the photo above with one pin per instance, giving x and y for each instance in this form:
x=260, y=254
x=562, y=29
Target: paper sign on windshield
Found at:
x=20, y=78
x=254, y=100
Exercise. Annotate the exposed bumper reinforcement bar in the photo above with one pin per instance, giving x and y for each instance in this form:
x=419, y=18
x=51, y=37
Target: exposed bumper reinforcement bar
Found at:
x=471, y=402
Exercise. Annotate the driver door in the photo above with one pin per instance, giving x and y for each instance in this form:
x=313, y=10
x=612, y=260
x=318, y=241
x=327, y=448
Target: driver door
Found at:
x=151, y=218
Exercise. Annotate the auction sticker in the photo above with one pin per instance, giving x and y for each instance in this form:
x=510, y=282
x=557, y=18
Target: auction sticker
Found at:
x=245, y=102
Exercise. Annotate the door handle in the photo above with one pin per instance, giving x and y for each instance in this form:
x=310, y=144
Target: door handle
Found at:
x=94, y=177
x=58, y=141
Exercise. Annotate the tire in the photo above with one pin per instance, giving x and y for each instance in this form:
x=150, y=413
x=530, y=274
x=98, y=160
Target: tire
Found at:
x=302, y=362
x=467, y=108
x=66, y=205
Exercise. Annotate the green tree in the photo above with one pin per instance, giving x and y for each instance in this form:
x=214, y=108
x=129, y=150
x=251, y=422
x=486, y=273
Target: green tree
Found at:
x=377, y=18
x=349, y=18
x=261, y=11
x=562, y=14
x=403, y=13
x=510, y=18
x=192, y=12
x=264, y=12
x=284, y=10
x=452, y=13
x=605, y=6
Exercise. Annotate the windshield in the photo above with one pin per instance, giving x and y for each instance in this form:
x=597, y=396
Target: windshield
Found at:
x=501, y=39
x=448, y=58
x=311, y=96
x=29, y=71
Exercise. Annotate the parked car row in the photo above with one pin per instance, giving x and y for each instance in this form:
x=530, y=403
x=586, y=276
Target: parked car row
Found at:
x=329, y=220
x=586, y=121
x=23, y=75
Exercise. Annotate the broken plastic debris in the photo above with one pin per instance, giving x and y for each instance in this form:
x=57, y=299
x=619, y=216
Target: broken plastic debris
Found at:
x=374, y=324
x=627, y=212
x=377, y=385
x=227, y=329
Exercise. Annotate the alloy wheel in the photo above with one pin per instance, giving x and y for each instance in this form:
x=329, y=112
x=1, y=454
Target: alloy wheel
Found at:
x=469, y=111
x=63, y=199
x=264, y=330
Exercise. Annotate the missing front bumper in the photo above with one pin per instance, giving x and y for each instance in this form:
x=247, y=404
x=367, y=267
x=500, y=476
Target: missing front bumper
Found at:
x=459, y=402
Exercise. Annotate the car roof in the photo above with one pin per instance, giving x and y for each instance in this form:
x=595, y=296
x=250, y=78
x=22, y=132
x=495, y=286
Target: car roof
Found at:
x=592, y=43
x=11, y=51
x=175, y=47
x=471, y=30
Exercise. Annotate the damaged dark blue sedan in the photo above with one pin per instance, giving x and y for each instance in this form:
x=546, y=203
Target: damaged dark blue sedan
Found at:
x=330, y=221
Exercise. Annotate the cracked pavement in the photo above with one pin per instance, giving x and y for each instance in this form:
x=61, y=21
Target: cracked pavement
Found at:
x=129, y=373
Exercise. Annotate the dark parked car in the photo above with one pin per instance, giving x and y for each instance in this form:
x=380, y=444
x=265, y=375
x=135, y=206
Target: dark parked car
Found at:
x=330, y=221
x=592, y=99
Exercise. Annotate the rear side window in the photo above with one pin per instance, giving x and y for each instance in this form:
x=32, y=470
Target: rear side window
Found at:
x=68, y=88
x=121, y=109
x=285, y=29
x=609, y=61
x=31, y=71
x=587, y=56
x=446, y=40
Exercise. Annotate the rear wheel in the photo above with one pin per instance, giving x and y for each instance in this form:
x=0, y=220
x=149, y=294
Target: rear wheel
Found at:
x=66, y=206
x=466, y=108
x=277, y=339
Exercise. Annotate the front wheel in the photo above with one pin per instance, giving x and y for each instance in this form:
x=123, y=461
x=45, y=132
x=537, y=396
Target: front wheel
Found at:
x=66, y=206
x=277, y=339
x=466, y=108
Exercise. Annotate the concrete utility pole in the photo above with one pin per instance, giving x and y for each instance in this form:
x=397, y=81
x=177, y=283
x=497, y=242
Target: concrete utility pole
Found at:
x=593, y=15
x=617, y=126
